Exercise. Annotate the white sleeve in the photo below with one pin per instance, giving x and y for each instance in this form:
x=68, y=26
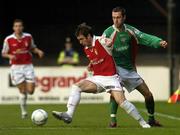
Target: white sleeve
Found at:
x=5, y=48
x=105, y=41
x=32, y=43
x=108, y=42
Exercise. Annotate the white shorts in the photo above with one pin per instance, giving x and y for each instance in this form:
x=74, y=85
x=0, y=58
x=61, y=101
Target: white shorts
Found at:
x=106, y=83
x=21, y=73
x=130, y=78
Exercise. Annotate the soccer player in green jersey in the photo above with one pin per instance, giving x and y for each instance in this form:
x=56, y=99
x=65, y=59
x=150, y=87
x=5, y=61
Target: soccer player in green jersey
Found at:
x=124, y=52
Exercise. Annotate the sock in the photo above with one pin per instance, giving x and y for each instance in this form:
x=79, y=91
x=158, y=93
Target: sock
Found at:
x=150, y=108
x=23, y=105
x=132, y=111
x=114, y=107
x=73, y=100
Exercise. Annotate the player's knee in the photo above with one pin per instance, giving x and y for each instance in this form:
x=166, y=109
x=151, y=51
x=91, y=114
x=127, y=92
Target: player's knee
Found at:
x=30, y=91
x=118, y=97
x=22, y=91
x=76, y=87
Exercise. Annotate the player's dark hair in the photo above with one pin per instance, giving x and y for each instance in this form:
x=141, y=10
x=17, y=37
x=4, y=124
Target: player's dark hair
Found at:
x=120, y=9
x=83, y=29
x=18, y=21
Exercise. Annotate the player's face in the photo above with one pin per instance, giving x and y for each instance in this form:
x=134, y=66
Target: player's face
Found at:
x=118, y=19
x=85, y=41
x=18, y=27
x=68, y=46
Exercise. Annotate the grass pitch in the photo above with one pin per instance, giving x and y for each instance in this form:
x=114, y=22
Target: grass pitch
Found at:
x=89, y=119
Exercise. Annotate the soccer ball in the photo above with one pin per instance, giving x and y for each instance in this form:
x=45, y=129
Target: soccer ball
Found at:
x=39, y=117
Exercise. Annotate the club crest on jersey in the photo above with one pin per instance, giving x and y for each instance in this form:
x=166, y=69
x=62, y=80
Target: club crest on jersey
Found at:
x=123, y=40
x=26, y=44
x=14, y=44
x=95, y=51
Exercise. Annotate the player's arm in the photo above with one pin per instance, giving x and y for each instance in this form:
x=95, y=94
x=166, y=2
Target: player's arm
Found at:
x=107, y=39
x=5, y=51
x=89, y=67
x=147, y=39
x=9, y=56
x=107, y=33
x=36, y=50
x=107, y=42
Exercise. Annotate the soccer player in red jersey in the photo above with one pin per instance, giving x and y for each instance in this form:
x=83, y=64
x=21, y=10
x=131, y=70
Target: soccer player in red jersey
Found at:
x=17, y=48
x=99, y=51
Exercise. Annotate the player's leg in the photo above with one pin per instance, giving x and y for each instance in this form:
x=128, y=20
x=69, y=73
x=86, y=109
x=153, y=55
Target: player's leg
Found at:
x=74, y=99
x=18, y=79
x=30, y=87
x=23, y=99
x=29, y=78
x=113, y=112
x=149, y=102
x=128, y=107
x=132, y=80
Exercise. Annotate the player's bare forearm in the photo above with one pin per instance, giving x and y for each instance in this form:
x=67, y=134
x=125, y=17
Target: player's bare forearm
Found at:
x=39, y=52
x=89, y=67
x=35, y=50
x=8, y=56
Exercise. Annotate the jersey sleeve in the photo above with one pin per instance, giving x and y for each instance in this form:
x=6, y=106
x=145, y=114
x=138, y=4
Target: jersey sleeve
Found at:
x=108, y=43
x=108, y=37
x=144, y=38
x=32, y=43
x=5, y=48
x=107, y=33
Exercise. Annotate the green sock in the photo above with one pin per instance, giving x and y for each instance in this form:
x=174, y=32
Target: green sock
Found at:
x=114, y=107
x=150, y=108
x=151, y=117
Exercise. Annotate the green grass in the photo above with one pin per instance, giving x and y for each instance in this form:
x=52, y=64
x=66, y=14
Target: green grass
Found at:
x=89, y=119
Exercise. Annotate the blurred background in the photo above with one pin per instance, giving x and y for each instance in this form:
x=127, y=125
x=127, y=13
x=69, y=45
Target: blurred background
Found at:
x=51, y=23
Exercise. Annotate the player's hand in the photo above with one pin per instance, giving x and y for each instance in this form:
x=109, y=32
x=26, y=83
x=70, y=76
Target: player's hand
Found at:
x=12, y=57
x=89, y=67
x=40, y=53
x=163, y=44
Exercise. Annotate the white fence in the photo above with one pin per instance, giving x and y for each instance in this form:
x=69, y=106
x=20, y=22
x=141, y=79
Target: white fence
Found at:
x=53, y=85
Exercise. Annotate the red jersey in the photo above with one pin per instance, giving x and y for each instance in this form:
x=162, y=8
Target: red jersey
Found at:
x=100, y=56
x=20, y=48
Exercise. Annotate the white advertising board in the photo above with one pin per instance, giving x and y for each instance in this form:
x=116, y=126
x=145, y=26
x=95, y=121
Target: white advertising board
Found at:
x=53, y=85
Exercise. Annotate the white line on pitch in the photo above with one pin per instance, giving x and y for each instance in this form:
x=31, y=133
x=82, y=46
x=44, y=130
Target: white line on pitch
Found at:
x=64, y=128
x=163, y=115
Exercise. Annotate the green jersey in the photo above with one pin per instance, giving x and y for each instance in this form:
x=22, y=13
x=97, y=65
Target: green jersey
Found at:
x=125, y=44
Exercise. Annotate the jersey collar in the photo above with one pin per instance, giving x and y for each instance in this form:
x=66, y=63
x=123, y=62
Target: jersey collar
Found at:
x=14, y=36
x=118, y=29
